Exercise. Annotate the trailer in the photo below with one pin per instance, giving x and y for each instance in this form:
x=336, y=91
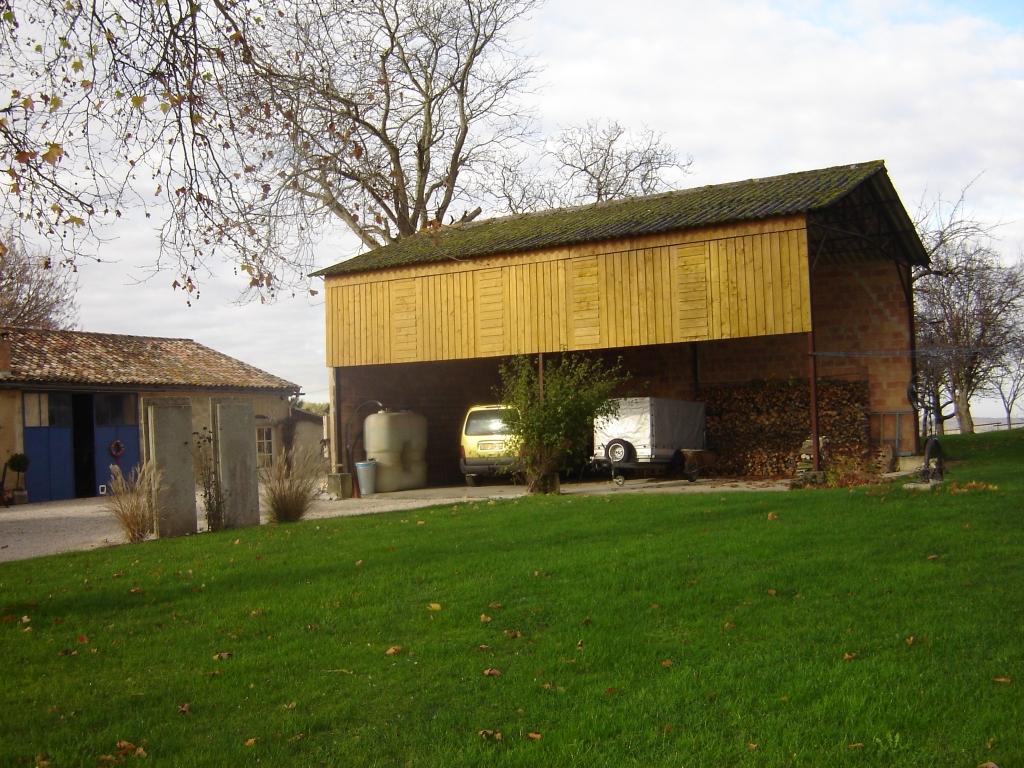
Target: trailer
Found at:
x=651, y=432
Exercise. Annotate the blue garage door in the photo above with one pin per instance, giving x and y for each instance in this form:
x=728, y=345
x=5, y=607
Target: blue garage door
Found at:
x=49, y=446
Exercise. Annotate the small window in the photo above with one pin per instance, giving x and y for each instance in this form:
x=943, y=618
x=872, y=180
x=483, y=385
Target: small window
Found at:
x=264, y=446
x=59, y=409
x=36, y=414
x=115, y=410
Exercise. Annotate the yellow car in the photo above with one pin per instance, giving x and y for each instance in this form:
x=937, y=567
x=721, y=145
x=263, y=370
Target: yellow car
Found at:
x=486, y=447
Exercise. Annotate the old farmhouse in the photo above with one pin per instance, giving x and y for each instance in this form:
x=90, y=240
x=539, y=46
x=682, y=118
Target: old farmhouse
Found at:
x=73, y=402
x=803, y=277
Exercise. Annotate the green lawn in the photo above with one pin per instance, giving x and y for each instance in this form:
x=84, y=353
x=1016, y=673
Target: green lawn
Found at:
x=819, y=628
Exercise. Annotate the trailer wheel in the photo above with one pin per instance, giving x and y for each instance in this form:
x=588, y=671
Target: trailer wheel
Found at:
x=619, y=451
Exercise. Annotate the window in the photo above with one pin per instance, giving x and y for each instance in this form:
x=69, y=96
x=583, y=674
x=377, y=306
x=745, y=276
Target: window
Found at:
x=264, y=446
x=115, y=410
x=47, y=409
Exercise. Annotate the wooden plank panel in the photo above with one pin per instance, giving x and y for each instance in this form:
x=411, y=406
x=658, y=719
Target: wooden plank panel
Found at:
x=805, y=280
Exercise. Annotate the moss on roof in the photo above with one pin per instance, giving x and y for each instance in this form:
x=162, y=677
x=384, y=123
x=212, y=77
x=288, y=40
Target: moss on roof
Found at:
x=75, y=357
x=683, y=209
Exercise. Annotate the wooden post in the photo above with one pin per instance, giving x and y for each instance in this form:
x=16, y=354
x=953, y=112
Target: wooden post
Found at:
x=812, y=374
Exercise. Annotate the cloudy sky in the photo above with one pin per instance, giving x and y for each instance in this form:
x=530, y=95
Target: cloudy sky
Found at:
x=748, y=89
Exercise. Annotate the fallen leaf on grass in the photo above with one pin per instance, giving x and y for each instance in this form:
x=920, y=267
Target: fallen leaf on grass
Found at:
x=666, y=663
x=184, y=709
x=989, y=764
x=849, y=656
x=289, y=706
x=513, y=634
x=488, y=735
x=533, y=736
x=494, y=606
x=251, y=742
x=492, y=672
x=910, y=640
x=728, y=626
x=135, y=590
x=222, y=655
x=433, y=606
x=1002, y=679
x=932, y=557
x=855, y=745
x=579, y=645
x=772, y=516
x=484, y=618
x=483, y=647
x=751, y=746
x=772, y=593
x=298, y=736
x=394, y=650
x=82, y=640
x=359, y=563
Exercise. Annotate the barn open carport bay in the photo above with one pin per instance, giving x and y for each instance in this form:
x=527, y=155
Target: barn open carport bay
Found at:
x=34, y=530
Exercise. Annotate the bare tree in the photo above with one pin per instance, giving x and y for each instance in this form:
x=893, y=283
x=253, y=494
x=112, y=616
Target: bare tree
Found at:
x=256, y=123
x=594, y=162
x=1008, y=378
x=969, y=309
x=35, y=292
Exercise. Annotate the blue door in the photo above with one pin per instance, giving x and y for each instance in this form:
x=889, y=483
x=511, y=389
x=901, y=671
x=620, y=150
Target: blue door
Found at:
x=116, y=435
x=51, y=469
x=49, y=447
x=123, y=439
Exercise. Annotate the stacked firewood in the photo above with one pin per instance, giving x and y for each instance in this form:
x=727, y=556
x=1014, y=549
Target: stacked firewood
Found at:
x=756, y=429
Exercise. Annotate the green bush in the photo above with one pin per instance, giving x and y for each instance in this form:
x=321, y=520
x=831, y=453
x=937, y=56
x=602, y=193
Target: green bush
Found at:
x=551, y=427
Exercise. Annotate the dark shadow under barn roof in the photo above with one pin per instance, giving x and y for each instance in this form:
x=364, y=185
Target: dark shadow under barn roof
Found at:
x=792, y=193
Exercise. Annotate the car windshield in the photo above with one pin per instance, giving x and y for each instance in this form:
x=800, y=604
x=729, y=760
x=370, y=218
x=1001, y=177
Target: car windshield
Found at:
x=486, y=423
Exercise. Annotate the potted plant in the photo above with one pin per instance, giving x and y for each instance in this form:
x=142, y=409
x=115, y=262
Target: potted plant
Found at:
x=18, y=462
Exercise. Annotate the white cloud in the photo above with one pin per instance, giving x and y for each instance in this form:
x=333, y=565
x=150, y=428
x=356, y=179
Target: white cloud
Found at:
x=748, y=88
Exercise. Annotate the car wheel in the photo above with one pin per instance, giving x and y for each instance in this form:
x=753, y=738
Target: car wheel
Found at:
x=619, y=451
x=471, y=480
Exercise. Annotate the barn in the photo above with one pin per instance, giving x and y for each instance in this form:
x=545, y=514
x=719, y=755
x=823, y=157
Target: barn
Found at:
x=803, y=277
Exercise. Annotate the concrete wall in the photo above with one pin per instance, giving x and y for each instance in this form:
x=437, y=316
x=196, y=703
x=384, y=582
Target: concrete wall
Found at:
x=269, y=410
x=11, y=440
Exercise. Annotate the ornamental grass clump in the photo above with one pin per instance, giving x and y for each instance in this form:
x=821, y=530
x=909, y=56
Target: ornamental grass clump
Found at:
x=291, y=483
x=132, y=500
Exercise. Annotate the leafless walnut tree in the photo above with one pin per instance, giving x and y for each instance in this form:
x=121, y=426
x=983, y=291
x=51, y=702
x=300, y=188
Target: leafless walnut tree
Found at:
x=255, y=123
x=34, y=291
x=589, y=163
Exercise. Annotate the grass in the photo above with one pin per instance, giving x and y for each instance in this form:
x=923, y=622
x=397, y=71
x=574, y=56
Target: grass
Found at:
x=655, y=630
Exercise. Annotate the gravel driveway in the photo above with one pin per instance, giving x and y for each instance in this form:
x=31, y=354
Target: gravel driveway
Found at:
x=32, y=530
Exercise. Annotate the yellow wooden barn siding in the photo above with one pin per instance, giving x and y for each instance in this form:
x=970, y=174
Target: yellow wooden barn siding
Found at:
x=749, y=280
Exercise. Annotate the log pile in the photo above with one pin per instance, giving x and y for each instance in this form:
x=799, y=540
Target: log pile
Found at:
x=756, y=429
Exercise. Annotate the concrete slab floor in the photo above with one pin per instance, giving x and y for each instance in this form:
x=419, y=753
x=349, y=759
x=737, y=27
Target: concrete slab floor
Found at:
x=33, y=530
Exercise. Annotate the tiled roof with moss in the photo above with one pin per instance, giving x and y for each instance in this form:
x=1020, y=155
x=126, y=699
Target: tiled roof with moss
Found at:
x=105, y=359
x=683, y=209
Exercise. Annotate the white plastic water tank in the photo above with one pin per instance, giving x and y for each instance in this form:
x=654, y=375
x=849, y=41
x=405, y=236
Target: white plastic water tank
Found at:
x=398, y=442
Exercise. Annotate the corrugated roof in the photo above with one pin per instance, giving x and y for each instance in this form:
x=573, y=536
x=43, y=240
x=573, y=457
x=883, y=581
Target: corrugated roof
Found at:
x=683, y=209
x=76, y=357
